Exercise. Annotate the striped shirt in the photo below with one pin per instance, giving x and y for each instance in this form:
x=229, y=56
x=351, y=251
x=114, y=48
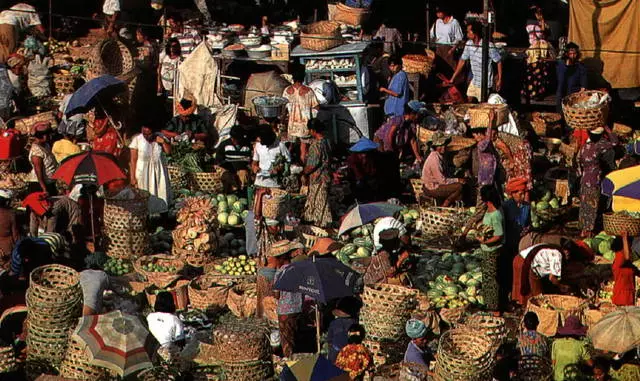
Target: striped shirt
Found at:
x=188, y=39
x=53, y=243
x=234, y=157
x=473, y=54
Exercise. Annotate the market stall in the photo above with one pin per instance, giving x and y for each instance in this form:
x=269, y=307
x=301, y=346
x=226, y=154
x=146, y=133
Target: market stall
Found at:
x=352, y=117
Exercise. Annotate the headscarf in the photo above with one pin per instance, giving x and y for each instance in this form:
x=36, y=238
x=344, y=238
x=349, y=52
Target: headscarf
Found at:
x=415, y=329
x=189, y=110
x=511, y=127
x=518, y=184
x=15, y=60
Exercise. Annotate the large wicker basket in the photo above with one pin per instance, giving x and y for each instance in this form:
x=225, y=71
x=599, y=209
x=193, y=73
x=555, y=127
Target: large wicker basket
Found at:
x=386, y=352
x=160, y=278
x=208, y=182
x=394, y=296
x=479, y=115
x=8, y=361
x=321, y=36
x=177, y=177
x=442, y=221
x=275, y=206
x=126, y=244
x=53, y=285
x=552, y=310
x=109, y=57
x=128, y=215
x=242, y=300
x=464, y=355
x=24, y=125
x=63, y=83
x=490, y=326
x=179, y=292
x=585, y=118
x=207, y=293
x=349, y=15
x=247, y=370
x=418, y=63
x=544, y=123
x=534, y=368
x=617, y=223
x=382, y=325
x=233, y=342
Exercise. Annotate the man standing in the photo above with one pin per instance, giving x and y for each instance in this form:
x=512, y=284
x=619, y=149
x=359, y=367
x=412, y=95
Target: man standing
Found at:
x=187, y=121
x=473, y=53
x=14, y=22
x=398, y=90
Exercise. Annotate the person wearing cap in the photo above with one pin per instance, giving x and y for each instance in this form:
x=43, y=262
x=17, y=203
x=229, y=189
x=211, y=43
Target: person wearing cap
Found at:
x=234, y=156
x=289, y=303
x=9, y=230
x=42, y=159
x=417, y=350
x=570, y=351
x=398, y=91
x=390, y=263
x=595, y=160
x=187, y=122
x=363, y=170
x=434, y=182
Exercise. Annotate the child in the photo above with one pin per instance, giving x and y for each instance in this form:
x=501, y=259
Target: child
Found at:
x=355, y=358
x=624, y=273
x=530, y=342
x=601, y=367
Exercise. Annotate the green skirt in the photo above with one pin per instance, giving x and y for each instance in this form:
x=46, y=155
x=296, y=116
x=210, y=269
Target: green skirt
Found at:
x=490, y=288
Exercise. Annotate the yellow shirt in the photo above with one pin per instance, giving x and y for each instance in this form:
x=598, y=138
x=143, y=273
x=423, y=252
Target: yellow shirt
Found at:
x=64, y=148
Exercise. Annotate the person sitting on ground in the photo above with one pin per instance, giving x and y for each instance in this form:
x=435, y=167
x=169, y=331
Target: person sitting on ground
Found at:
x=187, y=122
x=31, y=252
x=569, y=351
x=166, y=327
x=338, y=332
x=417, y=351
x=354, y=357
x=530, y=342
x=391, y=263
x=94, y=282
x=234, y=155
x=66, y=146
x=435, y=183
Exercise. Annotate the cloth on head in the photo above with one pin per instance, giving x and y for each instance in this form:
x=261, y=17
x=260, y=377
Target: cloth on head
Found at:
x=417, y=106
x=597, y=131
x=364, y=145
x=511, y=127
x=15, y=60
x=283, y=247
x=6, y=193
x=415, y=328
x=572, y=327
x=38, y=203
x=518, y=184
x=40, y=127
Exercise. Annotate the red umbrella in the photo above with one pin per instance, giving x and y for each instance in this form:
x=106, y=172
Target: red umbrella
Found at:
x=89, y=168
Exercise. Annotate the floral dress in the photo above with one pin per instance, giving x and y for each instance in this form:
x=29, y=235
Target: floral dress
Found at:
x=302, y=101
x=594, y=160
x=318, y=168
x=354, y=359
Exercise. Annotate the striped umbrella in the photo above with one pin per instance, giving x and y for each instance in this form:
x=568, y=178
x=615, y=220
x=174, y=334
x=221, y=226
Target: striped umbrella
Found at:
x=362, y=214
x=623, y=186
x=117, y=341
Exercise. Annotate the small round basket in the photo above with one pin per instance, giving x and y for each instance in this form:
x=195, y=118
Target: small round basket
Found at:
x=618, y=223
x=207, y=293
x=321, y=36
x=585, y=118
x=207, y=182
x=242, y=300
x=109, y=56
x=173, y=265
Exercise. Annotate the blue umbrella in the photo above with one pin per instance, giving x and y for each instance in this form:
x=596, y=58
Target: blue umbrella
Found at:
x=313, y=368
x=84, y=98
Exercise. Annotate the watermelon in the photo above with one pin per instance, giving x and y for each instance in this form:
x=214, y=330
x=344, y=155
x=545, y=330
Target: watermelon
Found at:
x=234, y=219
x=464, y=278
x=472, y=283
x=244, y=214
x=363, y=252
x=342, y=257
x=360, y=242
x=457, y=258
x=471, y=291
x=433, y=294
x=451, y=290
x=348, y=249
x=232, y=198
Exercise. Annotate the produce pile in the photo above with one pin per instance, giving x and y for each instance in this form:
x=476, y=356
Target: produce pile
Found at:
x=117, y=267
x=231, y=246
x=548, y=208
x=240, y=265
x=196, y=233
x=232, y=210
x=451, y=280
x=191, y=157
x=601, y=244
x=359, y=245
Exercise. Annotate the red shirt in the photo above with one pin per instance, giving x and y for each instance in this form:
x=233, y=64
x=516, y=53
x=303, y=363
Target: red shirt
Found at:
x=109, y=142
x=624, y=289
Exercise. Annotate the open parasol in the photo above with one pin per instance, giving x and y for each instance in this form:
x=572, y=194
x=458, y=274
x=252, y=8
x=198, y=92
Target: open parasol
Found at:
x=313, y=368
x=618, y=331
x=624, y=188
x=364, y=213
x=117, y=341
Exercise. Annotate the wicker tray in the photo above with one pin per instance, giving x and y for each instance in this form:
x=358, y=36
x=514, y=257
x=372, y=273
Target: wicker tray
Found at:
x=126, y=244
x=24, y=125
x=616, y=224
x=208, y=182
x=321, y=36
x=585, y=118
x=206, y=293
x=552, y=310
x=238, y=342
x=464, y=355
x=109, y=57
x=349, y=15
x=418, y=63
x=480, y=115
x=160, y=279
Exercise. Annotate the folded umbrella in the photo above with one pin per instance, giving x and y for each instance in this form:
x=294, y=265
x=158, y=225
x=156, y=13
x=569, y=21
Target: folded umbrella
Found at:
x=624, y=188
x=618, y=331
x=364, y=213
x=313, y=368
x=86, y=97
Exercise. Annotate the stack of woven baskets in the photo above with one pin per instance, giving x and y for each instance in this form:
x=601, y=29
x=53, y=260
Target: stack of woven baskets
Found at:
x=490, y=326
x=384, y=314
x=243, y=351
x=196, y=236
x=54, y=301
x=125, y=226
x=77, y=364
x=464, y=355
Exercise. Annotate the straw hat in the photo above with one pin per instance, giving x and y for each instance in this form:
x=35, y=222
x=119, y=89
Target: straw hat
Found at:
x=283, y=247
x=324, y=246
x=439, y=139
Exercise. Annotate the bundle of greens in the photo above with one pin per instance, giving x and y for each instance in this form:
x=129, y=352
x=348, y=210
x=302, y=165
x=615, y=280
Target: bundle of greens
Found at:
x=185, y=156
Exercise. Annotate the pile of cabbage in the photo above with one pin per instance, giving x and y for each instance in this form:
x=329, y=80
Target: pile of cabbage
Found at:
x=547, y=204
x=451, y=280
x=601, y=244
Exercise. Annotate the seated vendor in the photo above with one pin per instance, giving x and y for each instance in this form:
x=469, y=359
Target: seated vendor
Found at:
x=186, y=122
x=234, y=155
x=436, y=185
x=386, y=223
x=390, y=264
x=417, y=351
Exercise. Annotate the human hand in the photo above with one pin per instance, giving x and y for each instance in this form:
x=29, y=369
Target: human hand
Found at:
x=499, y=84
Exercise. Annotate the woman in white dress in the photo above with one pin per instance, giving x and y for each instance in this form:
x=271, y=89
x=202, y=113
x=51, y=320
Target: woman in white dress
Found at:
x=149, y=168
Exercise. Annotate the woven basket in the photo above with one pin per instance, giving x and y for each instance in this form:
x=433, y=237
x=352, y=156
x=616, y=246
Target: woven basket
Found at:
x=77, y=364
x=158, y=373
x=480, y=115
x=384, y=325
x=386, y=352
x=24, y=125
x=208, y=182
x=49, y=350
x=52, y=285
x=441, y=221
x=452, y=316
x=464, y=355
x=109, y=57
x=179, y=291
x=534, y=368
x=192, y=258
x=177, y=177
x=411, y=371
x=275, y=205
x=53, y=316
x=128, y=215
x=418, y=63
x=349, y=15
x=247, y=371
x=544, y=123
x=63, y=83
x=418, y=188
x=459, y=143
x=310, y=234
x=160, y=279
x=206, y=294
x=126, y=244
x=552, y=310
x=383, y=294
x=585, y=118
x=321, y=36
x=616, y=224
x=622, y=130
x=8, y=361
x=237, y=342
x=490, y=326
x=242, y=300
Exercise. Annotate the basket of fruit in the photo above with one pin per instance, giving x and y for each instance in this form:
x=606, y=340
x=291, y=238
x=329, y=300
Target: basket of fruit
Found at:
x=117, y=267
x=242, y=300
x=240, y=266
x=160, y=269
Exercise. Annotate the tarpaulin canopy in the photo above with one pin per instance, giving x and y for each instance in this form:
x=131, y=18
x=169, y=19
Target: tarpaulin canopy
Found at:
x=259, y=84
x=624, y=187
x=607, y=33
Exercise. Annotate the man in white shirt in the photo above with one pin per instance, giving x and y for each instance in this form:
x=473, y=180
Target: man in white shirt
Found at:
x=446, y=30
x=14, y=22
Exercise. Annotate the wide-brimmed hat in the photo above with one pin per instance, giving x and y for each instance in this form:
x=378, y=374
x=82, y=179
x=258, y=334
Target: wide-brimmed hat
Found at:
x=283, y=247
x=572, y=327
x=364, y=145
x=440, y=139
x=40, y=127
x=324, y=246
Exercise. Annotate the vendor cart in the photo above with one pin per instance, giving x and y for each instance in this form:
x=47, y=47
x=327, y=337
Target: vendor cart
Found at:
x=351, y=118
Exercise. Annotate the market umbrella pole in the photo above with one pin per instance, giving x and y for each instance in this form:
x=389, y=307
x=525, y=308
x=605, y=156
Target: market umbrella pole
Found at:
x=317, y=320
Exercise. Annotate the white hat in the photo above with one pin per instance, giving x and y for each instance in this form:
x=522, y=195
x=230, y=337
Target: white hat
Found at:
x=6, y=193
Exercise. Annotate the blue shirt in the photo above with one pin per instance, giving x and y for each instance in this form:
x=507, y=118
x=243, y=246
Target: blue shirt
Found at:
x=415, y=355
x=394, y=106
x=473, y=54
x=516, y=216
x=571, y=78
x=337, y=336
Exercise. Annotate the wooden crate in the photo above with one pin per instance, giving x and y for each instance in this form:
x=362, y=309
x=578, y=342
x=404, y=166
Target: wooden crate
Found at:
x=280, y=52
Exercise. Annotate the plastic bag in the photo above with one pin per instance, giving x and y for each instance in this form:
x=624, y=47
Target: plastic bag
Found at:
x=39, y=81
